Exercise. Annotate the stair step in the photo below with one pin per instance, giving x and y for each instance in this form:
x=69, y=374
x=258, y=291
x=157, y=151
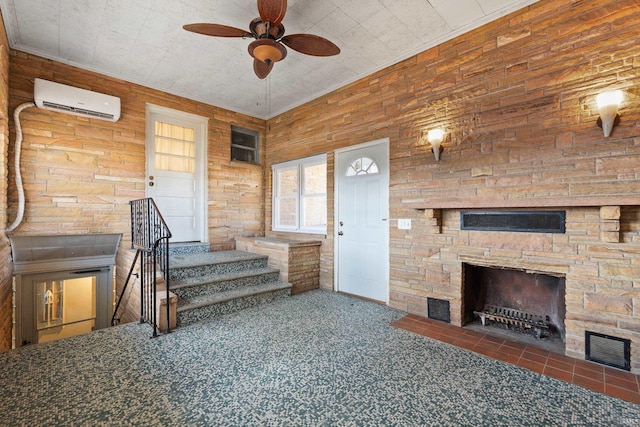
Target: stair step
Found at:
x=225, y=302
x=232, y=294
x=210, y=284
x=188, y=248
x=186, y=266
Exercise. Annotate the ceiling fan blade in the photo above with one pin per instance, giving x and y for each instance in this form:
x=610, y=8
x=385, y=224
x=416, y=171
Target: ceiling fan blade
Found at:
x=262, y=69
x=310, y=44
x=217, y=30
x=272, y=11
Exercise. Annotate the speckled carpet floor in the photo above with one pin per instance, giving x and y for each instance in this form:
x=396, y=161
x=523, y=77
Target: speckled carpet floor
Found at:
x=315, y=359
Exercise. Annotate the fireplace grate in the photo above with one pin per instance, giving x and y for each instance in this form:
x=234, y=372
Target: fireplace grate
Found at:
x=438, y=309
x=608, y=350
x=513, y=317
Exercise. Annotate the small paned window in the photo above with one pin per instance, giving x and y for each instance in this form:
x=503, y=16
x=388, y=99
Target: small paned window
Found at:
x=363, y=166
x=175, y=147
x=245, y=145
x=300, y=195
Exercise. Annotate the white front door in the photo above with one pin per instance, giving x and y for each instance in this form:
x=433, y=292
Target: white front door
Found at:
x=362, y=231
x=176, y=169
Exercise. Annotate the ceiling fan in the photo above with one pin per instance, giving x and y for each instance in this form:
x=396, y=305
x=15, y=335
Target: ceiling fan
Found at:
x=270, y=41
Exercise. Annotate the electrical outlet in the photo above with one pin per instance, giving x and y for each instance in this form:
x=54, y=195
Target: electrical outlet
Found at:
x=404, y=224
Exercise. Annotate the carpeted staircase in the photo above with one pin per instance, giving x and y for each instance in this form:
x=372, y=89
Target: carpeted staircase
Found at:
x=210, y=284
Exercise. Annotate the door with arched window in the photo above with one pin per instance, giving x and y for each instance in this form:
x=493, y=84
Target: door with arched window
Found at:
x=362, y=231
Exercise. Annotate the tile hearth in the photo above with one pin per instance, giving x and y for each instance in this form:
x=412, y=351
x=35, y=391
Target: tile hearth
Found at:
x=590, y=375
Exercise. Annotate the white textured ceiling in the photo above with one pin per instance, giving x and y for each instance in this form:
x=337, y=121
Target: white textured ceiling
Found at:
x=142, y=41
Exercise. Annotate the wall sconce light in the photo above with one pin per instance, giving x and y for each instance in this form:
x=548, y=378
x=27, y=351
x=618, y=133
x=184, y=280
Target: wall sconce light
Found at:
x=608, y=104
x=435, y=137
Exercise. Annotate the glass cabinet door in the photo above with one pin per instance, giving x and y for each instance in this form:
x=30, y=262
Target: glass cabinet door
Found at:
x=49, y=298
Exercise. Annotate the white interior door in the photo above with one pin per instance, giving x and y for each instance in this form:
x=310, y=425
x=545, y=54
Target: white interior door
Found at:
x=176, y=167
x=362, y=231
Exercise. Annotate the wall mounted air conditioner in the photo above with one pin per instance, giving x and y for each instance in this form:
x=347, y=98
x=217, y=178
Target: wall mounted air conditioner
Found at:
x=73, y=100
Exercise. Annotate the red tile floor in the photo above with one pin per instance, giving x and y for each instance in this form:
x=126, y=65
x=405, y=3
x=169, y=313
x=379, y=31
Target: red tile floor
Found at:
x=590, y=375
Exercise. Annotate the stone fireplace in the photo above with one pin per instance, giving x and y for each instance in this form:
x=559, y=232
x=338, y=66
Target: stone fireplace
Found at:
x=586, y=278
x=519, y=291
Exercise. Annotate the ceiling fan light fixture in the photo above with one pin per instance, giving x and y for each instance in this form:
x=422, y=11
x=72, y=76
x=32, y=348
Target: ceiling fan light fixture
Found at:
x=267, y=50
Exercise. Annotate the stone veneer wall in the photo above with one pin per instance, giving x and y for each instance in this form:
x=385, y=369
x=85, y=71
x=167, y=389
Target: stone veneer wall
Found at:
x=516, y=98
x=6, y=269
x=80, y=173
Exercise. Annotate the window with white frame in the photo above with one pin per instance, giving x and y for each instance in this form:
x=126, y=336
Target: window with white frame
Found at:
x=300, y=195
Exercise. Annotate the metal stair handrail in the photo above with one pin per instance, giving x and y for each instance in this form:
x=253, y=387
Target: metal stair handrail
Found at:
x=150, y=238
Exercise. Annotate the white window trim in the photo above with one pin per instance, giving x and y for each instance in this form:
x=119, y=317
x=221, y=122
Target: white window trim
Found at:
x=298, y=165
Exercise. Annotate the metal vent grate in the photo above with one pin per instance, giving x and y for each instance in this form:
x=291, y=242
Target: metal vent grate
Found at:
x=438, y=309
x=608, y=350
x=77, y=110
x=530, y=221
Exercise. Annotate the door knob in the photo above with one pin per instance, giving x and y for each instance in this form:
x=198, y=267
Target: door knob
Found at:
x=340, y=233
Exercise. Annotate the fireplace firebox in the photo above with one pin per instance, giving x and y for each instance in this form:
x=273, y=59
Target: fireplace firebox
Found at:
x=516, y=300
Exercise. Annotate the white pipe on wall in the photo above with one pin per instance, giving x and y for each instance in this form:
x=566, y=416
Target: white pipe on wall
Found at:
x=18, y=148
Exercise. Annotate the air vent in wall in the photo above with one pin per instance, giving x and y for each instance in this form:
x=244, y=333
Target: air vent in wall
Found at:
x=522, y=221
x=608, y=350
x=438, y=309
